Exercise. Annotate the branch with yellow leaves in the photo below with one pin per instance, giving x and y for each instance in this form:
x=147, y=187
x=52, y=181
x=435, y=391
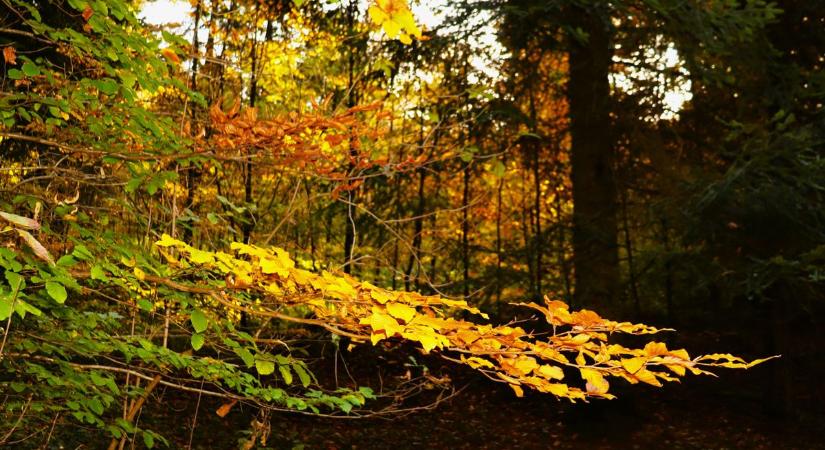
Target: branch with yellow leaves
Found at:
x=346, y=307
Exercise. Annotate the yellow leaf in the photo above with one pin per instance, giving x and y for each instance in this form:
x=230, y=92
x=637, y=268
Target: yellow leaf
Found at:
x=283, y=257
x=395, y=17
x=655, y=349
x=301, y=277
x=760, y=361
x=139, y=274
x=551, y=372
x=579, y=339
x=467, y=336
x=274, y=289
x=518, y=390
x=382, y=322
x=525, y=364
x=377, y=15
x=476, y=362
x=377, y=337
x=168, y=241
x=426, y=336
x=200, y=256
x=595, y=381
x=633, y=365
x=557, y=389
x=648, y=377
x=407, y=22
x=681, y=353
x=391, y=28
x=553, y=354
x=270, y=266
x=401, y=311
x=677, y=369
x=380, y=296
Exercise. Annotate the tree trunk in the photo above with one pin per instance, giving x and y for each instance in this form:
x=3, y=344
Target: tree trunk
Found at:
x=595, y=250
x=465, y=231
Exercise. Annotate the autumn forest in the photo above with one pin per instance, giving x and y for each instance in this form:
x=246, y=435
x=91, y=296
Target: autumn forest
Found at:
x=340, y=224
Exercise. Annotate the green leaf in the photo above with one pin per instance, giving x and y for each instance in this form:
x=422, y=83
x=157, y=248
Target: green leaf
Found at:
x=66, y=261
x=98, y=379
x=30, y=69
x=246, y=356
x=199, y=322
x=107, y=85
x=15, y=74
x=82, y=253
x=148, y=440
x=133, y=184
x=144, y=304
x=302, y=374
x=264, y=367
x=16, y=282
x=5, y=306
x=197, y=341
x=498, y=169
x=97, y=273
x=128, y=78
x=56, y=291
x=95, y=405
x=367, y=392
x=286, y=374
x=21, y=308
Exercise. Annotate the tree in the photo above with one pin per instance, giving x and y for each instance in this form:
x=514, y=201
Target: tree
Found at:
x=110, y=142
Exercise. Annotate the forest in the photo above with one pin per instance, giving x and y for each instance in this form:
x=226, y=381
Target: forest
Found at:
x=340, y=224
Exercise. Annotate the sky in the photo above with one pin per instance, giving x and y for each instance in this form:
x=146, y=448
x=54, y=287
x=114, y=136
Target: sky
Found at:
x=161, y=12
x=164, y=12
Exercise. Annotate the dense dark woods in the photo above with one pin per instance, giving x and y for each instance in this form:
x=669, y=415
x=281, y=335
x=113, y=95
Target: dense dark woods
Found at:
x=339, y=224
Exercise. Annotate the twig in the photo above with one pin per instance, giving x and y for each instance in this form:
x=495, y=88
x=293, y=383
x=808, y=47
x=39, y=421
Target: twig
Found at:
x=19, y=419
x=8, y=322
x=136, y=407
x=195, y=420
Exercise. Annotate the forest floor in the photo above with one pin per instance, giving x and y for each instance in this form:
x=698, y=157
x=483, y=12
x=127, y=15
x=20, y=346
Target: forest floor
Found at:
x=700, y=413
x=696, y=415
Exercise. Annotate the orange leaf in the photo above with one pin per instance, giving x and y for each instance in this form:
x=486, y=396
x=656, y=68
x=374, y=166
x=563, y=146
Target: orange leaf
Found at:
x=655, y=349
x=170, y=55
x=9, y=55
x=224, y=409
x=87, y=13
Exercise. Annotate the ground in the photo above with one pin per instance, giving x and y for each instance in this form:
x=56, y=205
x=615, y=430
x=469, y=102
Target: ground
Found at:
x=700, y=413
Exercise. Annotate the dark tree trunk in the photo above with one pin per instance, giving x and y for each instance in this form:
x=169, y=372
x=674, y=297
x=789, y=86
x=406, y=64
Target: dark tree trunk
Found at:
x=349, y=223
x=595, y=248
x=465, y=231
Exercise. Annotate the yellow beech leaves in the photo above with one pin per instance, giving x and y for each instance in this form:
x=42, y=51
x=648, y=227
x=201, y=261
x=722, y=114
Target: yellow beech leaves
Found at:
x=573, y=361
x=395, y=18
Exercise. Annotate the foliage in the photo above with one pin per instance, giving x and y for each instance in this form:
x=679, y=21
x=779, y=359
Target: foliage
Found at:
x=139, y=168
